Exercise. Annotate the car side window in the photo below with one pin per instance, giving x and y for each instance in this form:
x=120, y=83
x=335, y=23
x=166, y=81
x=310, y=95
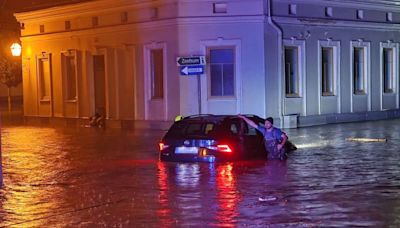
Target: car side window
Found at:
x=209, y=128
x=234, y=128
x=251, y=131
x=194, y=129
x=248, y=130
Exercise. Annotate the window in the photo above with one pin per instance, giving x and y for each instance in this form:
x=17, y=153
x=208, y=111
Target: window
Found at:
x=157, y=73
x=44, y=79
x=70, y=76
x=95, y=21
x=222, y=68
x=292, y=9
x=359, y=70
x=124, y=17
x=291, y=72
x=328, y=11
x=327, y=71
x=219, y=7
x=360, y=14
x=388, y=70
x=67, y=25
x=389, y=16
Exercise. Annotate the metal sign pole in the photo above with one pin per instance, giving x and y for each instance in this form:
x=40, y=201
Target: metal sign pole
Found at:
x=199, y=92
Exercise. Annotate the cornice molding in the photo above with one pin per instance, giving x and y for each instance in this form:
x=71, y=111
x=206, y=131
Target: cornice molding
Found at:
x=145, y=25
x=337, y=23
x=383, y=5
x=88, y=8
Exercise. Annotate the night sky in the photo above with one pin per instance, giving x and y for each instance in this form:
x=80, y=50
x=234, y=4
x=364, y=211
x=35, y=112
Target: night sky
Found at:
x=9, y=27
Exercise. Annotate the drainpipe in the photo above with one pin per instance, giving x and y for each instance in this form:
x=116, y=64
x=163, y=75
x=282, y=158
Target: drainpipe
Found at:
x=279, y=44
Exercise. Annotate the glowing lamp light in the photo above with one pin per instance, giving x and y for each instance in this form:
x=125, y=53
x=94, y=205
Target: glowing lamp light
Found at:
x=16, y=49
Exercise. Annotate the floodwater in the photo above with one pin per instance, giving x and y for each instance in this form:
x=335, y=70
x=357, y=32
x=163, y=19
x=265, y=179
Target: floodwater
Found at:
x=88, y=177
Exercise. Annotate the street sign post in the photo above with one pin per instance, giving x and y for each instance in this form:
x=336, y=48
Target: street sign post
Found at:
x=193, y=60
x=193, y=65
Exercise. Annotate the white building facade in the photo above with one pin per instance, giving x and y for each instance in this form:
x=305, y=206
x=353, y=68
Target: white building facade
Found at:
x=315, y=61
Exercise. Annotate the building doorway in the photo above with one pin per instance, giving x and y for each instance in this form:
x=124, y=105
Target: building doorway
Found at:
x=99, y=84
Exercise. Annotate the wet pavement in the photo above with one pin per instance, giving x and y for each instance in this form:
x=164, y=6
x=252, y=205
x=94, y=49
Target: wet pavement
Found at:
x=89, y=177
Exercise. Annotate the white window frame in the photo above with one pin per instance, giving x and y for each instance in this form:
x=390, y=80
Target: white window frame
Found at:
x=39, y=59
x=395, y=92
x=64, y=55
x=209, y=73
x=147, y=80
x=236, y=44
x=300, y=45
x=367, y=71
x=335, y=45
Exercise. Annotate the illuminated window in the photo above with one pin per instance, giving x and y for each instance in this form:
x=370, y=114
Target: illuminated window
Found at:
x=292, y=72
x=157, y=73
x=44, y=78
x=70, y=76
x=359, y=76
x=327, y=71
x=222, y=71
x=388, y=70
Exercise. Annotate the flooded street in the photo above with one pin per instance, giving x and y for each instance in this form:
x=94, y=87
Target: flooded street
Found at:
x=87, y=177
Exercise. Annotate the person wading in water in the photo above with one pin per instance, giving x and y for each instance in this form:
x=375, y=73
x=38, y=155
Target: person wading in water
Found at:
x=274, y=138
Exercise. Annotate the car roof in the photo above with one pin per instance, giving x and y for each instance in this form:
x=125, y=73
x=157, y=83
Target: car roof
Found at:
x=216, y=118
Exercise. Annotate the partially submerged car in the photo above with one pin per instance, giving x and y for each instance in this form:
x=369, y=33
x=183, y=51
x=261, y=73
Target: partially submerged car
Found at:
x=212, y=138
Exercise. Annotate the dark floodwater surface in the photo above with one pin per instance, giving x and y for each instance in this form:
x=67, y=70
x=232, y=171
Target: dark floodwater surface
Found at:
x=84, y=177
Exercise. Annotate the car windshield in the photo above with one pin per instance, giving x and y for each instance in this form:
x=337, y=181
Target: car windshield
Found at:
x=191, y=128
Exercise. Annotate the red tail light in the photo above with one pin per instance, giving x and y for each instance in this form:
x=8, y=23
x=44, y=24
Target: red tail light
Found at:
x=162, y=146
x=224, y=148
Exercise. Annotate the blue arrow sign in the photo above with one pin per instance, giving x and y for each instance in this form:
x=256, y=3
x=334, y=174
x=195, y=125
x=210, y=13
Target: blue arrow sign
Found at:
x=192, y=70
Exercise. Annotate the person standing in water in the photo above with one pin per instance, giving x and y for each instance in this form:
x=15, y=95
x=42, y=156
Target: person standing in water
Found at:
x=274, y=138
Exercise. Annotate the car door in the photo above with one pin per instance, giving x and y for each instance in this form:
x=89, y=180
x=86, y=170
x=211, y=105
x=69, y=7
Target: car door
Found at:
x=253, y=141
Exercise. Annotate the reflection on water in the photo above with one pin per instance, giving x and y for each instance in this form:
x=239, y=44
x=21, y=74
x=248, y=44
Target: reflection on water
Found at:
x=227, y=196
x=94, y=178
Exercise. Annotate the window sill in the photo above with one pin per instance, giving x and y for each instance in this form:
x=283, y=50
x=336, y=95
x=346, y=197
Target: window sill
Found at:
x=156, y=99
x=45, y=100
x=389, y=94
x=71, y=101
x=222, y=98
x=360, y=93
x=328, y=94
x=293, y=96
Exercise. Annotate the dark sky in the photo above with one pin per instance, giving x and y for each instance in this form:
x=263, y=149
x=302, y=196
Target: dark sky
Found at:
x=9, y=27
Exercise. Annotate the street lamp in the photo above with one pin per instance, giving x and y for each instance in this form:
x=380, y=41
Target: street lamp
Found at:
x=16, y=49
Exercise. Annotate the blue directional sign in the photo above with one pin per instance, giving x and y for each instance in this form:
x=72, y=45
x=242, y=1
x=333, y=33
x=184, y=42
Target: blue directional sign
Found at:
x=192, y=70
